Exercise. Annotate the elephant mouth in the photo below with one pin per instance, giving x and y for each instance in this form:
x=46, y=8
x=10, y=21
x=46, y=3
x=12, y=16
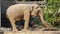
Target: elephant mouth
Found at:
x=34, y=16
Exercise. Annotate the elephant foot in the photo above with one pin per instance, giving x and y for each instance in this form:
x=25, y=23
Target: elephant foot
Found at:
x=15, y=30
x=25, y=30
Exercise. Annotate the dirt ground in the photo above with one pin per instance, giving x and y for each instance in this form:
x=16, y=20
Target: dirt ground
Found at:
x=33, y=32
x=38, y=31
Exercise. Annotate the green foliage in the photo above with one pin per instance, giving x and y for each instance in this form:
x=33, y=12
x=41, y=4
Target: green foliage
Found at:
x=23, y=0
x=51, y=11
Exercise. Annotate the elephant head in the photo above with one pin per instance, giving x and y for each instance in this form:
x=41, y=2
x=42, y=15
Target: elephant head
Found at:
x=37, y=11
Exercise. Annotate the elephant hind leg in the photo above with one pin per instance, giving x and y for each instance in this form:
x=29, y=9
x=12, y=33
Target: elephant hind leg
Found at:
x=13, y=21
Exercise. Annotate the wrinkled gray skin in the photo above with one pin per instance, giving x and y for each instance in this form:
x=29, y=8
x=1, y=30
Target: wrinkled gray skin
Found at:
x=24, y=11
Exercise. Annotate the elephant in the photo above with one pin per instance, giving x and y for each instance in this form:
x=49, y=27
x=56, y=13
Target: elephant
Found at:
x=17, y=12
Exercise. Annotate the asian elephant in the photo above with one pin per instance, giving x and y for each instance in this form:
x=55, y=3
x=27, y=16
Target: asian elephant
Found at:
x=24, y=11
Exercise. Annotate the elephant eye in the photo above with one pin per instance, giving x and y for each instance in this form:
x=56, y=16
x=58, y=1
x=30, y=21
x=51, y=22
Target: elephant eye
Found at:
x=37, y=7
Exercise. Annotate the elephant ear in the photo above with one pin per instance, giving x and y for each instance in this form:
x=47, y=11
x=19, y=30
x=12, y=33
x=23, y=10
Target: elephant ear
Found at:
x=34, y=7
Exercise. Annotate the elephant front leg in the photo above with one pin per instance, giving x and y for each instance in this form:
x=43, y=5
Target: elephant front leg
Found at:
x=26, y=25
x=26, y=18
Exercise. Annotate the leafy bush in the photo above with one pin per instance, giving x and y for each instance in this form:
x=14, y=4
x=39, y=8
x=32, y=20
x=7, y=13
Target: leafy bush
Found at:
x=51, y=11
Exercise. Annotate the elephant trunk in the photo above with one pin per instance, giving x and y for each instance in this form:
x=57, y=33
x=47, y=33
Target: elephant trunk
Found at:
x=43, y=21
